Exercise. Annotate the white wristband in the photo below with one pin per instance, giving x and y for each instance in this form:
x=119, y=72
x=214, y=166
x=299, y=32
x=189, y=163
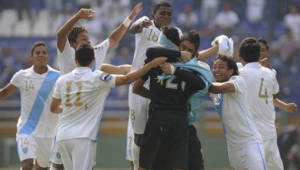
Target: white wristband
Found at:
x=127, y=22
x=172, y=69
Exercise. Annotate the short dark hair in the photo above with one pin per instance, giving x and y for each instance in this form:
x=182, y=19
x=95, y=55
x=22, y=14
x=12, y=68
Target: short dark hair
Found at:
x=37, y=44
x=250, y=50
x=84, y=54
x=76, y=30
x=263, y=41
x=161, y=4
x=172, y=34
x=231, y=64
x=193, y=37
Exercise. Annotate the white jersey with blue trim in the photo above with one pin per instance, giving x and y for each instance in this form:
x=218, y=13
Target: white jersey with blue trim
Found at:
x=262, y=85
x=82, y=93
x=36, y=91
x=66, y=58
x=237, y=121
x=147, y=38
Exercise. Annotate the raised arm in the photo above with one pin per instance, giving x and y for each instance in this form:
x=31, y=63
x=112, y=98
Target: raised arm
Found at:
x=226, y=87
x=137, y=27
x=204, y=54
x=112, y=69
x=7, y=91
x=120, y=31
x=62, y=34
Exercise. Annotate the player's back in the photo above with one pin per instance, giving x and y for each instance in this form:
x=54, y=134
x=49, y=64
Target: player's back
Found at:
x=169, y=94
x=261, y=86
x=83, y=94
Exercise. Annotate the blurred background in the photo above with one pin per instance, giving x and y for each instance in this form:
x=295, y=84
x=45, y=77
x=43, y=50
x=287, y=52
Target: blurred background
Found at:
x=22, y=22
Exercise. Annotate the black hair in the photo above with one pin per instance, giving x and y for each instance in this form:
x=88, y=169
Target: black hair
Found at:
x=84, y=54
x=231, y=64
x=37, y=44
x=263, y=41
x=76, y=30
x=250, y=50
x=172, y=34
x=193, y=37
x=161, y=4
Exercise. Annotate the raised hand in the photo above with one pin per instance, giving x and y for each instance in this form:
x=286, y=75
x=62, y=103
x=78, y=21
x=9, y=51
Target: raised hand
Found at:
x=136, y=10
x=84, y=13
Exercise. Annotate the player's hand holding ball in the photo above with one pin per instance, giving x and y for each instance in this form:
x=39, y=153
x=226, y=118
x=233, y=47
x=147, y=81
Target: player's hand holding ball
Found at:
x=225, y=45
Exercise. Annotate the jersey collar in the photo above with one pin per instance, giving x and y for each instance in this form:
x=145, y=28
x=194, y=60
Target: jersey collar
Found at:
x=252, y=65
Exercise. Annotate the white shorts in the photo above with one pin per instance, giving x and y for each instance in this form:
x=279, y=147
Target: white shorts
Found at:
x=26, y=147
x=55, y=156
x=43, y=151
x=249, y=157
x=272, y=155
x=78, y=154
x=138, y=107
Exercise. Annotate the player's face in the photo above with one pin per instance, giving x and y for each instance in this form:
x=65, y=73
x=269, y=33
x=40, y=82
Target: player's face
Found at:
x=40, y=56
x=163, y=16
x=82, y=38
x=264, y=52
x=220, y=71
x=187, y=46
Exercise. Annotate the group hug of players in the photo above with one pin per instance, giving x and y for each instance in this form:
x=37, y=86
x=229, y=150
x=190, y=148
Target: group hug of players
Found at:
x=61, y=110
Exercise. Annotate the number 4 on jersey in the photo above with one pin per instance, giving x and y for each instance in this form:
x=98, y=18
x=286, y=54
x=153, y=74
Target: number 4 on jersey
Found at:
x=265, y=95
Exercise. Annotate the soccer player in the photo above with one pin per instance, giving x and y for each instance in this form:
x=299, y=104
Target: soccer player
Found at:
x=70, y=36
x=167, y=129
x=264, y=61
x=146, y=35
x=244, y=143
x=80, y=96
x=262, y=89
x=36, y=125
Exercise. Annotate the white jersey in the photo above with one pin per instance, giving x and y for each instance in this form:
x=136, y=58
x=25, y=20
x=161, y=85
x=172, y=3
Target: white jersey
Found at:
x=237, y=121
x=36, y=91
x=262, y=85
x=66, y=58
x=82, y=93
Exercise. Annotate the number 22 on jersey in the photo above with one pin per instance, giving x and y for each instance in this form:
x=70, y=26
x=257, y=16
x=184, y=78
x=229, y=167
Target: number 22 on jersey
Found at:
x=77, y=101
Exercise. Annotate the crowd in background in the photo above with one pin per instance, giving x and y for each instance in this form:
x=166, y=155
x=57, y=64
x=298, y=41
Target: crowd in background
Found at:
x=22, y=22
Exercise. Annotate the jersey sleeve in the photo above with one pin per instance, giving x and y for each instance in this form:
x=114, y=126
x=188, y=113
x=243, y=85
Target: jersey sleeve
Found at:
x=101, y=51
x=57, y=89
x=239, y=84
x=66, y=59
x=106, y=80
x=17, y=79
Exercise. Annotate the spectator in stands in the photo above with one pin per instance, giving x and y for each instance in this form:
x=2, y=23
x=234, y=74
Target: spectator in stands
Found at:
x=292, y=21
x=226, y=19
x=289, y=146
x=255, y=9
x=209, y=11
x=188, y=19
x=9, y=67
x=287, y=47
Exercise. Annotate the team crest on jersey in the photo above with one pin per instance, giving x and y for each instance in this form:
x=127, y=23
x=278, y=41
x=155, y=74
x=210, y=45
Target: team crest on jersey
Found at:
x=58, y=155
x=105, y=77
x=25, y=150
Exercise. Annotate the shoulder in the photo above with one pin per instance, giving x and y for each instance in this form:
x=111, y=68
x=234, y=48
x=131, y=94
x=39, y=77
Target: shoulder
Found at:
x=53, y=70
